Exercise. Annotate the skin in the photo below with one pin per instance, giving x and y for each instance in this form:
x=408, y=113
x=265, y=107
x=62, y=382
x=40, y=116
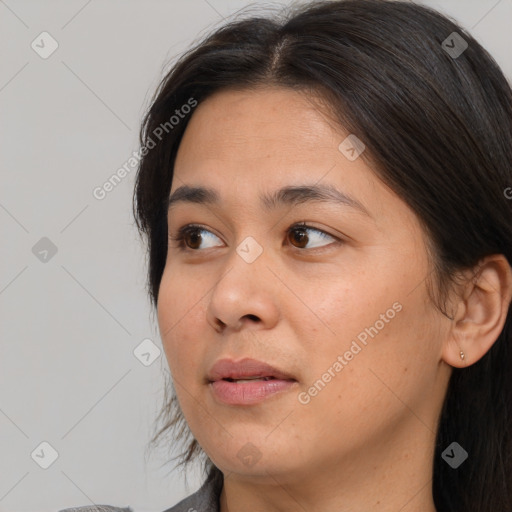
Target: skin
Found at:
x=366, y=440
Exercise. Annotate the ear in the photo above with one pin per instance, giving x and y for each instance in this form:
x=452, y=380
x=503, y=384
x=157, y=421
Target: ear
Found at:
x=481, y=312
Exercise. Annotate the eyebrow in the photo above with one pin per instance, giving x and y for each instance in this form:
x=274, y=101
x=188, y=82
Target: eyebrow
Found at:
x=285, y=196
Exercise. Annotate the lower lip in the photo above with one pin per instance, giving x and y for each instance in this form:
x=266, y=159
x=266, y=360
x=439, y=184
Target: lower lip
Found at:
x=245, y=393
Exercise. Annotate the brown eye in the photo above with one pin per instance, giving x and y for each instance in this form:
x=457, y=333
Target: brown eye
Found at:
x=194, y=236
x=299, y=236
x=190, y=237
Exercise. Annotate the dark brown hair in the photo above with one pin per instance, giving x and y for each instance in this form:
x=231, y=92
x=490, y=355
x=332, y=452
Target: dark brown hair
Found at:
x=438, y=128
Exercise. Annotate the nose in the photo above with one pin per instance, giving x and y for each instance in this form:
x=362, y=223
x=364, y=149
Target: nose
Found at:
x=245, y=294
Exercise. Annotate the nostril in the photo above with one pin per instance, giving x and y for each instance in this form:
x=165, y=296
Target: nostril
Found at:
x=219, y=325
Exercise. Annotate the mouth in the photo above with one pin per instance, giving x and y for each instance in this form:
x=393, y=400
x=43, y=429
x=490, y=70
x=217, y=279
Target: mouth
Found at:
x=245, y=369
x=247, y=381
x=249, y=391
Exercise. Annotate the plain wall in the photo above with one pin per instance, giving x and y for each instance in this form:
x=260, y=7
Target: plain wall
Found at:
x=70, y=324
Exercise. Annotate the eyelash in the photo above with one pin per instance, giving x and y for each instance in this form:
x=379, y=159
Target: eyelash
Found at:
x=180, y=237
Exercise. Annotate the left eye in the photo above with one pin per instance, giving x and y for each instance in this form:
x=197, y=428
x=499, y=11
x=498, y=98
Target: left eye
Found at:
x=302, y=229
x=189, y=237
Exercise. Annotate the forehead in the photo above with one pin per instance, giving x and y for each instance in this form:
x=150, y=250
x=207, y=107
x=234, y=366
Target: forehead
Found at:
x=256, y=124
x=263, y=136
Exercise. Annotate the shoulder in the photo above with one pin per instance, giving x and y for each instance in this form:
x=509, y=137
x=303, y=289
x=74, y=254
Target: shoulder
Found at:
x=97, y=508
x=206, y=499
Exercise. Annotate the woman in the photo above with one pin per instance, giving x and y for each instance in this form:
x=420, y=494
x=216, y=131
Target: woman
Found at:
x=326, y=200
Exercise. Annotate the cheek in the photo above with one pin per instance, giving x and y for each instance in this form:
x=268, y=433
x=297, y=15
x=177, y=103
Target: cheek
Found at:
x=377, y=300
x=375, y=336
x=179, y=312
x=356, y=306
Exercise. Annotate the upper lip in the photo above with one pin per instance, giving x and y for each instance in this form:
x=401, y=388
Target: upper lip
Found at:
x=229, y=369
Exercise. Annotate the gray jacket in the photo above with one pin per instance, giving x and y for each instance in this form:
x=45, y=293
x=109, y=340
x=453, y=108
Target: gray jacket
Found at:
x=206, y=499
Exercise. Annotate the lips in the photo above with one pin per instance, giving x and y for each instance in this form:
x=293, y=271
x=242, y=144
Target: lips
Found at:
x=248, y=382
x=245, y=369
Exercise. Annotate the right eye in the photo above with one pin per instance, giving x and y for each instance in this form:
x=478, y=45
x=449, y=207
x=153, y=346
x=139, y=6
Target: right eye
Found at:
x=192, y=232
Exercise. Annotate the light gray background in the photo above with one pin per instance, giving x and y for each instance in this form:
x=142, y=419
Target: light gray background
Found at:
x=69, y=326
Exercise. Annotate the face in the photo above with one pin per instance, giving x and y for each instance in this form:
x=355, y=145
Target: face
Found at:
x=331, y=292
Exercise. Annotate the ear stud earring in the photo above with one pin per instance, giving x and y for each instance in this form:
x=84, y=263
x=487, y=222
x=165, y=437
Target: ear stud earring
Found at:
x=462, y=355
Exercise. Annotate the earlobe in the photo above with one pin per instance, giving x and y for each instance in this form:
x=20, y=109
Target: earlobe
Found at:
x=457, y=348
x=481, y=314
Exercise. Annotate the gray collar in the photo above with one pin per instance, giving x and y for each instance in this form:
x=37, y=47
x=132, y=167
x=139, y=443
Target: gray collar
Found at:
x=206, y=499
